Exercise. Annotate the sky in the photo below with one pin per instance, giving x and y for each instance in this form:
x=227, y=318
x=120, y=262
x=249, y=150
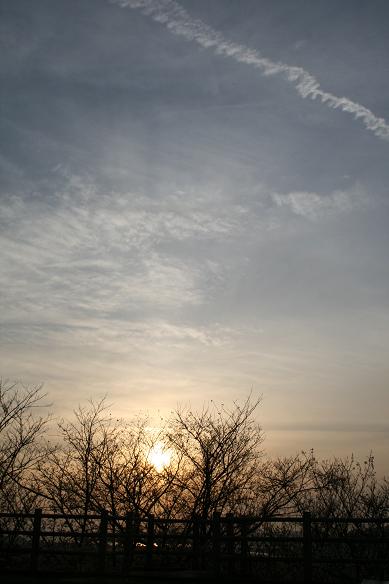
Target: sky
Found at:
x=194, y=205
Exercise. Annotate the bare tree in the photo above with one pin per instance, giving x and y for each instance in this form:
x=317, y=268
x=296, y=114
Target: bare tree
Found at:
x=220, y=453
x=282, y=484
x=128, y=479
x=344, y=487
x=21, y=448
x=103, y=463
x=68, y=478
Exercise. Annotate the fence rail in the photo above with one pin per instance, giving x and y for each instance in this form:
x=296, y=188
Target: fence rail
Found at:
x=290, y=549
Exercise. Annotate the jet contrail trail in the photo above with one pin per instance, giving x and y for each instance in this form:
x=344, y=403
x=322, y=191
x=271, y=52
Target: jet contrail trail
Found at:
x=179, y=22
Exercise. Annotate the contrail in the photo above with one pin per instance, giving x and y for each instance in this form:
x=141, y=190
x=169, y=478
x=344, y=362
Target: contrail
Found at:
x=179, y=22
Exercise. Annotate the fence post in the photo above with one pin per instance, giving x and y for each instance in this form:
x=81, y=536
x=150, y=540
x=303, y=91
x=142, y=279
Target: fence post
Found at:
x=128, y=542
x=216, y=541
x=150, y=542
x=230, y=543
x=243, y=545
x=37, y=523
x=307, y=547
x=102, y=548
x=196, y=543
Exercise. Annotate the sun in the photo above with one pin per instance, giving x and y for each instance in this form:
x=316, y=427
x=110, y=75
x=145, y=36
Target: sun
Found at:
x=159, y=456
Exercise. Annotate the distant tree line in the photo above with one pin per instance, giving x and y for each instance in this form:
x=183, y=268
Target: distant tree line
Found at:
x=98, y=462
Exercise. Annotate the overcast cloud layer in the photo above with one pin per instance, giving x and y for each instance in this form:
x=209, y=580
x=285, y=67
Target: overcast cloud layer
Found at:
x=178, y=223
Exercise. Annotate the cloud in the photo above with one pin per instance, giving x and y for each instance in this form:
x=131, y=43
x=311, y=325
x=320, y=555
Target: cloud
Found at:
x=86, y=252
x=179, y=22
x=344, y=426
x=315, y=206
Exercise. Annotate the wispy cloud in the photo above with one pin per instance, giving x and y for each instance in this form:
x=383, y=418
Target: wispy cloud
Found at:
x=91, y=252
x=181, y=23
x=314, y=206
x=344, y=426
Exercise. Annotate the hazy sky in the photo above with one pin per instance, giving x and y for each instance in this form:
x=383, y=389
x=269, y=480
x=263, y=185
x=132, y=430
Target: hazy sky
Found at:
x=194, y=204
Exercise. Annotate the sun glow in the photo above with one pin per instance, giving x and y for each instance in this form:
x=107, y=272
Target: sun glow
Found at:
x=159, y=456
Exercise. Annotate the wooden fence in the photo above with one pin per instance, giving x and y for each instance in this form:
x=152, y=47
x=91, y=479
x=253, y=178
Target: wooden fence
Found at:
x=289, y=549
